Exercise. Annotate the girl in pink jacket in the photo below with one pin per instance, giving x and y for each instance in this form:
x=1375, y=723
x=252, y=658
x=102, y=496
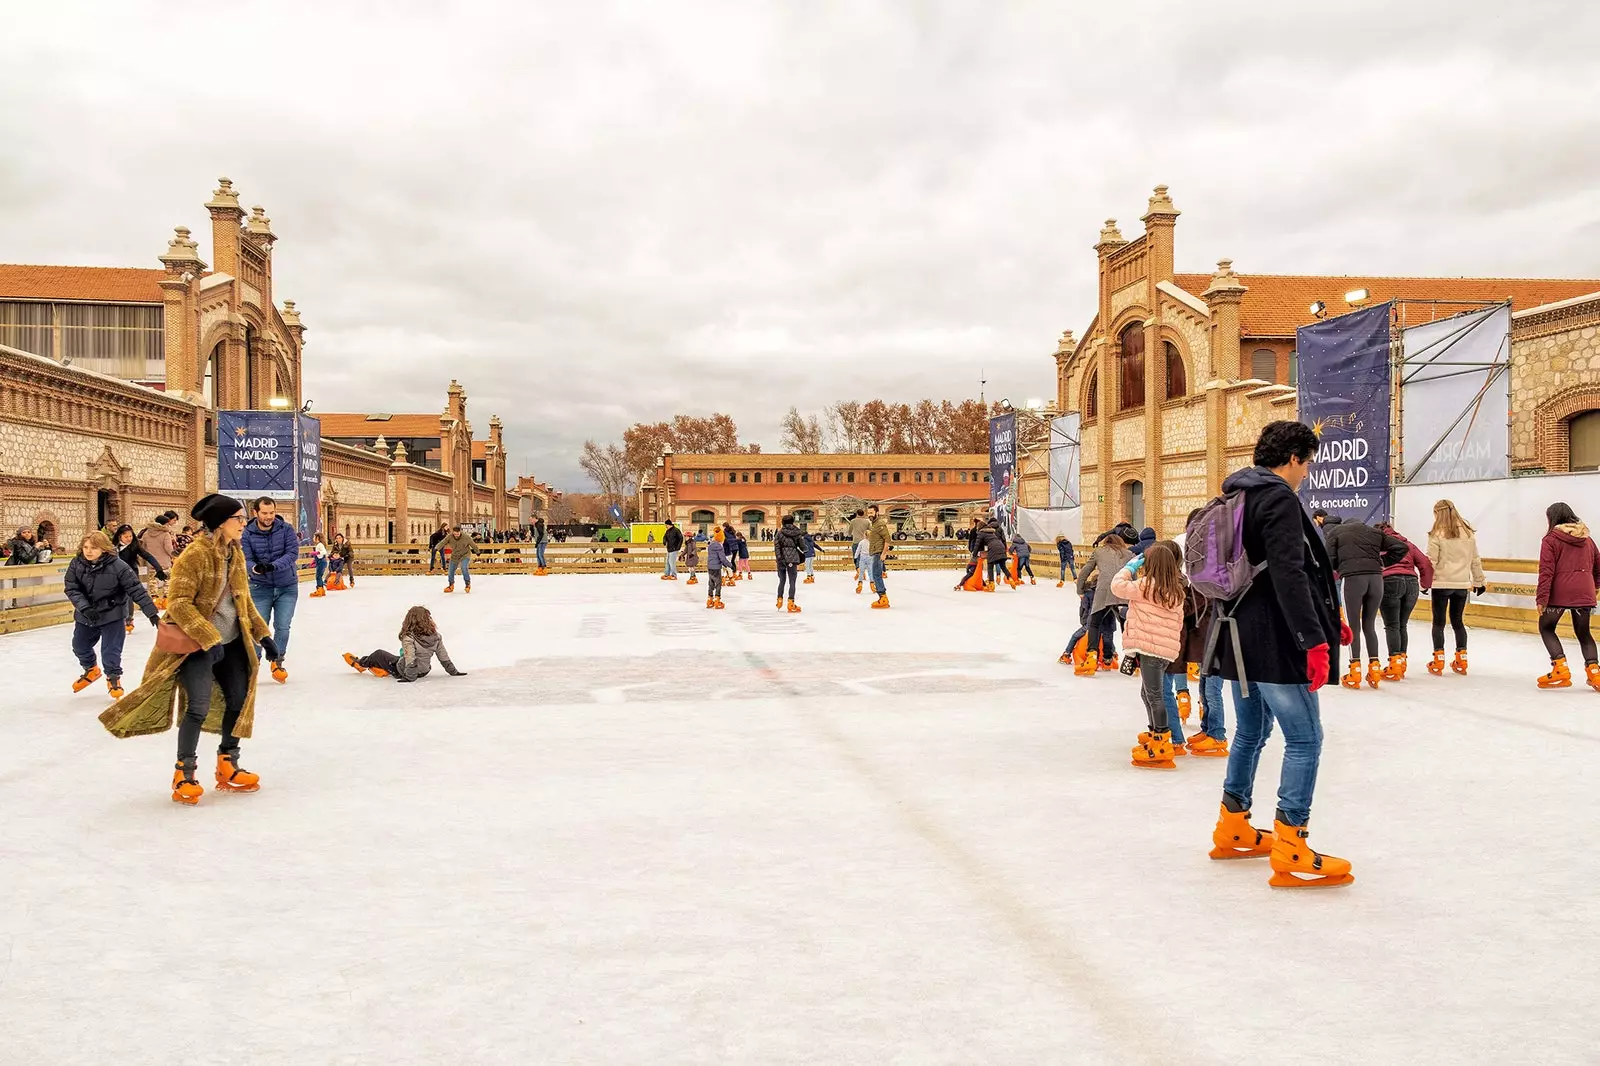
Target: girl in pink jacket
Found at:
x=1153, y=585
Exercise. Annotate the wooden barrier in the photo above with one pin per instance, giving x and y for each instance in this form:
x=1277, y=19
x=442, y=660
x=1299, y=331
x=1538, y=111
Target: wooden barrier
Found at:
x=33, y=596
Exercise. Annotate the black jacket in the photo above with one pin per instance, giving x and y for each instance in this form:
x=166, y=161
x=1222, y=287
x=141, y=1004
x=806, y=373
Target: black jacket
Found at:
x=133, y=551
x=98, y=590
x=789, y=546
x=1355, y=548
x=993, y=544
x=1291, y=606
x=23, y=552
x=672, y=539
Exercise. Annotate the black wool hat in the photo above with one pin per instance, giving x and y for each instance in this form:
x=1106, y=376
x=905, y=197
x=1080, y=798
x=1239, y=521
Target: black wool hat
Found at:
x=215, y=509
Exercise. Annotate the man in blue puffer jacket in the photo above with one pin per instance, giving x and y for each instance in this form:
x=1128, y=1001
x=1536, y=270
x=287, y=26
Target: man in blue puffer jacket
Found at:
x=272, y=558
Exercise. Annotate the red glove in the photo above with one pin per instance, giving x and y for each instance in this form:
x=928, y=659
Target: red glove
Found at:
x=1345, y=635
x=1317, y=666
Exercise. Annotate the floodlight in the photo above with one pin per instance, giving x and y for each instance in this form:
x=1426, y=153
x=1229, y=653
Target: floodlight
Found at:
x=279, y=402
x=1318, y=309
x=1356, y=296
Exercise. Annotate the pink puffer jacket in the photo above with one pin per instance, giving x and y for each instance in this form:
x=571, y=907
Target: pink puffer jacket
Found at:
x=1152, y=628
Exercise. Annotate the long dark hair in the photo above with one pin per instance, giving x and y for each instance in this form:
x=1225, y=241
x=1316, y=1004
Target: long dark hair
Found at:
x=1162, y=576
x=418, y=622
x=1559, y=514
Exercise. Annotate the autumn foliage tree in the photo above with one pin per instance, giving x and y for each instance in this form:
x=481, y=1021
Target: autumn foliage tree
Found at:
x=923, y=428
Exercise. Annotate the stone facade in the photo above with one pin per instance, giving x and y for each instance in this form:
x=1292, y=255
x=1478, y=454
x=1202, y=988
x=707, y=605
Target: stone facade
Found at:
x=1177, y=373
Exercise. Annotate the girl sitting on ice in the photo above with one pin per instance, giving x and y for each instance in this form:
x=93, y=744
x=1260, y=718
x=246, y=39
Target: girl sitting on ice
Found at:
x=1153, y=585
x=420, y=643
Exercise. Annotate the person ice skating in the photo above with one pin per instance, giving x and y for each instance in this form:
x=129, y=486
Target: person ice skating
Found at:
x=672, y=541
x=272, y=557
x=1403, y=582
x=1569, y=578
x=1279, y=650
x=1110, y=555
x=209, y=600
x=420, y=644
x=742, y=556
x=319, y=560
x=690, y=558
x=436, y=553
x=1065, y=550
x=789, y=551
x=859, y=551
x=1152, y=584
x=99, y=585
x=186, y=536
x=1147, y=537
x=130, y=551
x=878, y=539
x=1024, y=553
x=541, y=540
x=460, y=546
x=1211, y=739
x=159, y=539
x=1359, y=553
x=992, y=543
x=1457, y=570
x=716, y=562
x=347, y=558
x=812, y=548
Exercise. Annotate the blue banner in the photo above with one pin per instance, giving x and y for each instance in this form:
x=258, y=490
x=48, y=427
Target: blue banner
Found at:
x=1003, y=470
x=256, y=454
x=310, y=467
x=1345, y=396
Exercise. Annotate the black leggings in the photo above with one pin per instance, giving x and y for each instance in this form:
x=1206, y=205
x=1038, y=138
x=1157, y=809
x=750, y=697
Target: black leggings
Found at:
x=786, y=574
x=228, y=667
x=1455, y=602
x=1102, y=624
x=1363, y=594
x=1551, y=616
x=1024, y=566
x=1399, y=600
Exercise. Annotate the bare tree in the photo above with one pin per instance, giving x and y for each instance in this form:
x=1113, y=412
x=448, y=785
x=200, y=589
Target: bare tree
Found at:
x=608, y=467
x=801, y=435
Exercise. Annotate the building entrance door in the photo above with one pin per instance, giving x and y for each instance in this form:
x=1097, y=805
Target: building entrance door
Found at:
x=1133, y=503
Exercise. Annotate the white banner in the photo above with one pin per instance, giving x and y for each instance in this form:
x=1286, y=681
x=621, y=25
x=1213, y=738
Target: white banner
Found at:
x=1064, y=464
x=1455, y=398
x=1039, y=526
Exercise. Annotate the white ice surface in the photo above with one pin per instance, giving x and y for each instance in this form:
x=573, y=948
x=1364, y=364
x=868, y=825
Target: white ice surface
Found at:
x=642, y=832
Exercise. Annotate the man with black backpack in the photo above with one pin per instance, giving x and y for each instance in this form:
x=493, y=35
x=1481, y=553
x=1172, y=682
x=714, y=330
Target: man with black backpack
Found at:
x=1276, y=627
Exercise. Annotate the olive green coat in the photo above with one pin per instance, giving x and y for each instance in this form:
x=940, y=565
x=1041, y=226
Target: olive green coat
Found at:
x=200, y=574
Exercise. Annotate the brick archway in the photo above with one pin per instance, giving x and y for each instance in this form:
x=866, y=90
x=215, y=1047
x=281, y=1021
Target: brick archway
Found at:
x=1550, y=420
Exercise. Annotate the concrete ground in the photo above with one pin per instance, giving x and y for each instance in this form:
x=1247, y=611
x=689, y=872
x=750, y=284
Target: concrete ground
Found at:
x=642, y=832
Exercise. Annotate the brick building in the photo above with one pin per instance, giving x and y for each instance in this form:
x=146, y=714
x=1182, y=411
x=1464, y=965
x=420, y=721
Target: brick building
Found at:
x=1176, y=373
x=927, y=493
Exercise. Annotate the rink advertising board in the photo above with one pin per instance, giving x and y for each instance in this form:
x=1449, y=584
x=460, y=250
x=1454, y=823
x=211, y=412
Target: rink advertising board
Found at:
x=1345, y=394
x=256, y=454
x=1002, y=467
x=309, y=463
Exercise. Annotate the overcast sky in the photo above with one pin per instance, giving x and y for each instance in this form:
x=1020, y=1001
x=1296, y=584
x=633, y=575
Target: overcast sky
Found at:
x=594, y=214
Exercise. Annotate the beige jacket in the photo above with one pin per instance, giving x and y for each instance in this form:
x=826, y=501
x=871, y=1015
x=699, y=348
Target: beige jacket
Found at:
x=1455, y=562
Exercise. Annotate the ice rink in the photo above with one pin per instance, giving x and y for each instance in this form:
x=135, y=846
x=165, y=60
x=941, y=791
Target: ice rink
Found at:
x=642, y=832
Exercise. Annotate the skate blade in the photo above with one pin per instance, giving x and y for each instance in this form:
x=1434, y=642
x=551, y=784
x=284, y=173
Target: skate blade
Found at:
x=1241, y=853
x=185, y=800
x=221, y=787
x=1213, y=754
x=1158, y=764
x=1556, y=684
x=1287, y=880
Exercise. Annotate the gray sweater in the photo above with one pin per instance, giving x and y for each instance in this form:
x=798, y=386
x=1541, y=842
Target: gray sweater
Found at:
x=417, y=653
x=1105, y=562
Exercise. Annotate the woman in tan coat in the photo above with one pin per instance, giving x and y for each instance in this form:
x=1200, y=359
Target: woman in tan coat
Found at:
x=1457, y=571
x=213, y=688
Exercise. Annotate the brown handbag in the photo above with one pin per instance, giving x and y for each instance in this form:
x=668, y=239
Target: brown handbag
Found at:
x=171, y=638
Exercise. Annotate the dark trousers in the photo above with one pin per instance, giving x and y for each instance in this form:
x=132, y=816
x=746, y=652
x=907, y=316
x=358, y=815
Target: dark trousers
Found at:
x=434, y=557
x=1363, y=595
x=1152, y=681
x=109, y=636
x=1102, y=624
x=1453, y=602
x=787, y=573
x=1550, y=617
x=228, y=667
x=997, y=570
x=1400, y=592
x=1024, y=566
x=383, y=659
x=713, y=584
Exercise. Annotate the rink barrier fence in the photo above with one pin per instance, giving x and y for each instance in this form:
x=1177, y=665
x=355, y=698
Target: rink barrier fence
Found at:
x=32, y=597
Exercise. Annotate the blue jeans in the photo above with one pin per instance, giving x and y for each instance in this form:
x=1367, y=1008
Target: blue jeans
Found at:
x=672, y=564
x=109, y=636
x=810, y=560
x=1066, y=565
x=322, y=573
x=1213, y=716
x=538, y=553
x=876, y=566
x=276, y=607
x=1171, y=685
x=1297, y=712
x=461, y=563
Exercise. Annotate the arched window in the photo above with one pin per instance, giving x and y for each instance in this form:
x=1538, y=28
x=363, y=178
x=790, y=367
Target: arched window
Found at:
x=1583, y=442
x=1091, y=402
x=753, y=519
x=1132, y=360
x=1264, y=364
x=803, y=517
x=1177, y=380
x=1133, y=503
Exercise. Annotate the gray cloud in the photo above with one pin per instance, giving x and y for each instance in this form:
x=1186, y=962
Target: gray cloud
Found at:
x=601, y=213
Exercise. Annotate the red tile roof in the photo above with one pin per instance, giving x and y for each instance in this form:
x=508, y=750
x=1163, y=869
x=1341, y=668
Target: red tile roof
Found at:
x=367, y=427
x=21, y=281
x=1277, y=303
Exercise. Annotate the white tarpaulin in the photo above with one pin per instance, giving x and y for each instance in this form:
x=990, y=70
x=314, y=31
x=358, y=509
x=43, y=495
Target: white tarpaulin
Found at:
x=1040, y=526
x=1064, y=437
x=1455, y=398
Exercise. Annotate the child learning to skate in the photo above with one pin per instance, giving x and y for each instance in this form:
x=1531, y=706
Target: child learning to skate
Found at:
x=689, y=558
x=420, y=644
x=716, y=561
x=99, y=585
x=743, y=560
x=1153, y=585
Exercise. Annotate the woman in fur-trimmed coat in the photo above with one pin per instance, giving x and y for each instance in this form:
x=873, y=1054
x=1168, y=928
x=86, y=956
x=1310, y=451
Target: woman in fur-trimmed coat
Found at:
x=208, y=597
